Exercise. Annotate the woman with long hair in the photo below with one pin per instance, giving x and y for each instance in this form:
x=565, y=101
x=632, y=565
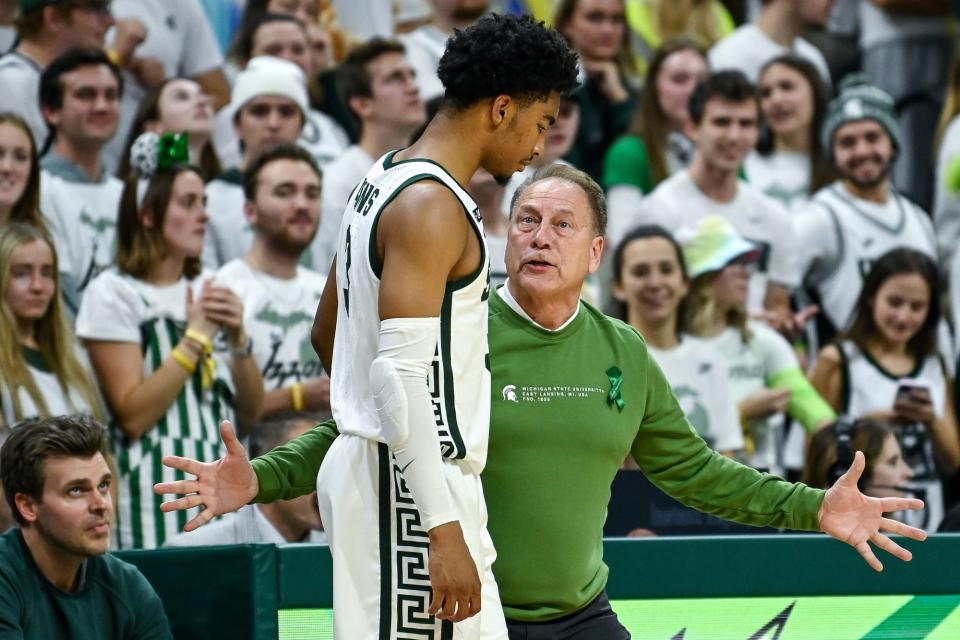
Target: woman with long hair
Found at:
x=656, y=144
x=177, y=104
x=19, y=173
x=42, y=370
x=765, y=376
x=597, y=30
x=886, y=365
x=167, y=343
x=790, y=164
x=655, y=22
x=886, y=474
x=650, y=282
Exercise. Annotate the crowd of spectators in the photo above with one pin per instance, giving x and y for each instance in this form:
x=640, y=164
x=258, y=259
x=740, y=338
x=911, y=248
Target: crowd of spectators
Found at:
x=784, y=211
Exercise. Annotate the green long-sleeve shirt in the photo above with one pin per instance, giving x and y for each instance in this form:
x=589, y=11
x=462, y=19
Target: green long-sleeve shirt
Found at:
x=557, y=438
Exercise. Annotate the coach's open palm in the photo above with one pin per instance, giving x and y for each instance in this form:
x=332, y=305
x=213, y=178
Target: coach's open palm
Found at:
x=857, y=519
x=220, y=487
x=453, y=575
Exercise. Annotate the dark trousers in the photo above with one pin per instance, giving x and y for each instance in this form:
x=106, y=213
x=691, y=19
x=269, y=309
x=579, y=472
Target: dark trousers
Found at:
x=596, y=621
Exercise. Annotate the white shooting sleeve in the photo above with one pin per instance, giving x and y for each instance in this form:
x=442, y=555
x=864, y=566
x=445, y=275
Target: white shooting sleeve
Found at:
x=399, y=382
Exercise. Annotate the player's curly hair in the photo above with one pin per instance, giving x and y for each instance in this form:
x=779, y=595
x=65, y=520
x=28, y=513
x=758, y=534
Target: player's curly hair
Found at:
x=506, y=55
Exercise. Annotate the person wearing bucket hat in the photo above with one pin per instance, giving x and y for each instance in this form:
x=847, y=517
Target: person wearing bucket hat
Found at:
x=765, y=375
x=859, y=217
x=724, y=113
x=268, y=106
x=47, y=29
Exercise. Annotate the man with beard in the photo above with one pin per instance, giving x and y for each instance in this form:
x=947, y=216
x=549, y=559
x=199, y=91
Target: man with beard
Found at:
x=56, y=578
x=282, y=190
x=858, y=218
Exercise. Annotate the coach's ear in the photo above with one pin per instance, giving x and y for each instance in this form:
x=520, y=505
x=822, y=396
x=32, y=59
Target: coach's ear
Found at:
x=500, y=110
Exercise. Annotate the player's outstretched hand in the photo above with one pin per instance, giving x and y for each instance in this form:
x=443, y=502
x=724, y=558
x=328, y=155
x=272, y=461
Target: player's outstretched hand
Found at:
x=453, y=575
x=857, y=519
x=220, y=487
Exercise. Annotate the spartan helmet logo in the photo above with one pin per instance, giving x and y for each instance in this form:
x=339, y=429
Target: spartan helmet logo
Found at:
x=510, y=393
x=853, y=108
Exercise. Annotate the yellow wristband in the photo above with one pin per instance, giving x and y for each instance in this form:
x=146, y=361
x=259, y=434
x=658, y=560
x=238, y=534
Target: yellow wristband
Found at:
x=297, y=392
x=183, y=360
x=114, y=57
x=202, y=340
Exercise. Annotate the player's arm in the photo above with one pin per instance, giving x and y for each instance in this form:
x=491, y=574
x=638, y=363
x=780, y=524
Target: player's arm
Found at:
x=422, y=242
x=325, y=321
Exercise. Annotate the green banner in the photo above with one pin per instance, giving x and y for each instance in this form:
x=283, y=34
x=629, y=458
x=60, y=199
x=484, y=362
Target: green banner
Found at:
x=903, y=617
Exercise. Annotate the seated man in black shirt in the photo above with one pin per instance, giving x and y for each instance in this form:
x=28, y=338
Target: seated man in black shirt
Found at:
x=56, y=578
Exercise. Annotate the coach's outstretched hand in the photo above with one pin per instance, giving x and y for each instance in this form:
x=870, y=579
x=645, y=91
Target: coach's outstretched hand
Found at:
x=857, y=519
x=220, y=487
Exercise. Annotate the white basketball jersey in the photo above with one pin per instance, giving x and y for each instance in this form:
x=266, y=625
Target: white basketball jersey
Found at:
x=460, y=378
x=868, y=388
x=863, y=237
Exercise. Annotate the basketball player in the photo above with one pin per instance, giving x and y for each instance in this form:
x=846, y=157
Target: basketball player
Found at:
x=400, y=491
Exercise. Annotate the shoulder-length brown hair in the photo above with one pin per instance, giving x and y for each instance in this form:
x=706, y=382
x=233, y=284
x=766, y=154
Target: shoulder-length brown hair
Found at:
x=52, y=332
x=27, y=208
x=649, y=121
x=626, y=63
x=149, y=110
x=700, y=306
x=140, y=247
x=894, y=263
x=868, y=437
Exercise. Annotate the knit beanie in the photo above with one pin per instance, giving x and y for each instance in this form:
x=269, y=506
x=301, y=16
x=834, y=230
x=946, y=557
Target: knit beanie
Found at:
x=859, y=100
x=269, y=76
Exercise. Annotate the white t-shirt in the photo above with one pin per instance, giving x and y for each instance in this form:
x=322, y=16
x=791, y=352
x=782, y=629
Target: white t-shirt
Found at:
x=839, y=236
x=748, y=48
x=119, y=308
x=340, y=177
x=425, y=47
x=8, y=35
x=695, y=371
x=20, y=80
x=82, y=218
x=58, y=403
x=679, y=202
x=278, y=316
x=750, y=366
x=878, y=26
x=179, y=36
x=783, y=176
x=247, y=525
x=229, y=235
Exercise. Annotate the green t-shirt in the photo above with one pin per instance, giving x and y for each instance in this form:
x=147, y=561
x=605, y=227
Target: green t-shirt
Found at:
x=627, y=163
x=113, y=602
x=557, y=438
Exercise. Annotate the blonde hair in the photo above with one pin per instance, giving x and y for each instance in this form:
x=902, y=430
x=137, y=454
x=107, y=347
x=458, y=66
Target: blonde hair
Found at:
x=693, y=19
x=701, y=308
x=52, y=332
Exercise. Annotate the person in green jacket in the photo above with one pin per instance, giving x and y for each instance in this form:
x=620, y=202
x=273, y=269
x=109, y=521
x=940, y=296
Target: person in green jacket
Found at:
x=574, y=393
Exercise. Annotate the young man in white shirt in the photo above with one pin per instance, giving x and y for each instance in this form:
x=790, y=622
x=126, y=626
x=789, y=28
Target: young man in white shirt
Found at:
x=776, y=32
x=379, y=87
x=268, y=107
x=47, y=29
x=284, y=37
x=80, y=95
x=856, y=219
x=280, y=297
x=724, y=115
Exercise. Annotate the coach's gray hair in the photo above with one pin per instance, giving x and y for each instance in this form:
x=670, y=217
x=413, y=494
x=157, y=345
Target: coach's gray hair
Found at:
x=598, y=202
